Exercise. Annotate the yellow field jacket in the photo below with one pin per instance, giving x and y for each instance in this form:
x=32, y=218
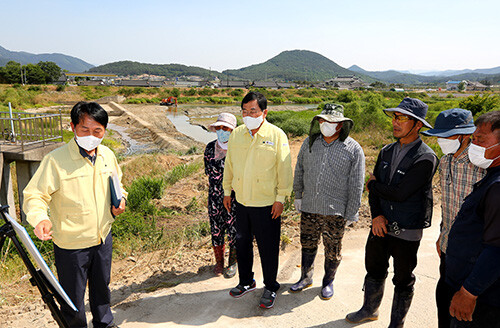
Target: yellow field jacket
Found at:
x=76, y=193
x=258, y=169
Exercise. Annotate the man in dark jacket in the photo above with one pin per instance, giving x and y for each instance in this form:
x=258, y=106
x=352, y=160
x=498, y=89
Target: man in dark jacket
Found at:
x=473, y=255
x=453, y=129
x=400, y=197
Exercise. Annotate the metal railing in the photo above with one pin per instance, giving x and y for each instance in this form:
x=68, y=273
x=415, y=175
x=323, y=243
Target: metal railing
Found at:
x=30, y=128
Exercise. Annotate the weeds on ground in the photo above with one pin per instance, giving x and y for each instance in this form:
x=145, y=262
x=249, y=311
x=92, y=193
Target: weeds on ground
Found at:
x=182, y=171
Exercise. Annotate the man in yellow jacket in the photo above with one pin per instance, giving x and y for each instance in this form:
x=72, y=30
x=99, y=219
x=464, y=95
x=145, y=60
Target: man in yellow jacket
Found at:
x=258, y=168
x=73, y=183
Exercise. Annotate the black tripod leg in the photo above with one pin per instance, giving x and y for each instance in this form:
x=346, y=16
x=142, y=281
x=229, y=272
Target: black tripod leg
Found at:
x=37, y=279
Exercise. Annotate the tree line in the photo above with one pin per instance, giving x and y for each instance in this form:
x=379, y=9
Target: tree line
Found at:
x=123, y=68
x=42, y=73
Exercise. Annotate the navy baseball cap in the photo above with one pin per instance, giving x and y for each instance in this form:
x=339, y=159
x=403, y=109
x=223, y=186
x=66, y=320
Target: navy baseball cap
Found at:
x=415, y=108
x=452, y=122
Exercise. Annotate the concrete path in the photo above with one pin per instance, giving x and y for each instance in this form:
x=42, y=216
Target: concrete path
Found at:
x=205, y=302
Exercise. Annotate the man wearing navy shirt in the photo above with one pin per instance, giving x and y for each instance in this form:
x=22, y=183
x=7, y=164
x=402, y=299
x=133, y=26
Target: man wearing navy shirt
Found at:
x=473, y=255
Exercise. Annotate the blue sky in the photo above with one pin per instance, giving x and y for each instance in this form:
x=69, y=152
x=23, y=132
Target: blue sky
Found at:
x=376, y=35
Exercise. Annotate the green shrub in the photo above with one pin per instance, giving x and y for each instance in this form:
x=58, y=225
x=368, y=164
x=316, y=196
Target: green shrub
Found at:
x=138, y=231
x=478, y=104
x=187, y=100
x=138, y=90
x=217, y=100
x=346, y=96
x=133, y=101
x=190, y=92
x=302, y=100
x=95, y=92
x=208, y=92
x=176, y=92
x=182, y=171
x=277, y=100
x=393, y=95
x=296, y=127
x=236, y=93
x=292, y=123
x=126, y=91
x=142, y=191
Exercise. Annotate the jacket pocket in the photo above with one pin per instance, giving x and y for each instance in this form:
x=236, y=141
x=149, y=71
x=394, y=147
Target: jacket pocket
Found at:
x=266, y=157
x=74, y=220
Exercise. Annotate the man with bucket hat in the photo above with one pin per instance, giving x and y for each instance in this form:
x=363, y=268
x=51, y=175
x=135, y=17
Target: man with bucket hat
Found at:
x=328, y=184
x=458, y=175
x=400, y=198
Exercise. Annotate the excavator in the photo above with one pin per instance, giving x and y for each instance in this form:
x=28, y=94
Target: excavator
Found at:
x=170, y=101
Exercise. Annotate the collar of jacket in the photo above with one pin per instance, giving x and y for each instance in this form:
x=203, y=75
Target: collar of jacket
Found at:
x=74, y=150
x=263, y=128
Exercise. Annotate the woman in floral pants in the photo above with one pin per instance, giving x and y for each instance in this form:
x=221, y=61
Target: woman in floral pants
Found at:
x=221, y=222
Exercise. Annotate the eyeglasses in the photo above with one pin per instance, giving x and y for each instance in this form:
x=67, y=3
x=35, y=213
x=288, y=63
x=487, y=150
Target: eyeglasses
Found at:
x=251, y=112
x=399, y=118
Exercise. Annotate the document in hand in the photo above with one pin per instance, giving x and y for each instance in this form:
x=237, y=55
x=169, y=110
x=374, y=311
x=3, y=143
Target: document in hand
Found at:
x=116, y=191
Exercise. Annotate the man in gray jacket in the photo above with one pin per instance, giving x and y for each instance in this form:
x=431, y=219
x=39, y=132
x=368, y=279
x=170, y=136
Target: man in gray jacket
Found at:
x=328, y=184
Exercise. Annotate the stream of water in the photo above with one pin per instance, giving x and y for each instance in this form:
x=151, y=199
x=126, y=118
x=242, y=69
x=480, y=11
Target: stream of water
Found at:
x=194, y=131
x=182, y=123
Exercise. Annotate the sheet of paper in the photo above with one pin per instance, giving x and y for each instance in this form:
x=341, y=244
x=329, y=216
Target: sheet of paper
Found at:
x=37, y=257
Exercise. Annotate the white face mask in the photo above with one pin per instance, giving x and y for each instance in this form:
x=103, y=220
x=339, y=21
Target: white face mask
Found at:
x=328, y=129
x=253, y=122
x=88, y=143
x=476, y=156
x=448, y=146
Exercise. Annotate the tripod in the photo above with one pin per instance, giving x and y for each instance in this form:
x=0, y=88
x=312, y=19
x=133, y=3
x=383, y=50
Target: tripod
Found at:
x=37, y=279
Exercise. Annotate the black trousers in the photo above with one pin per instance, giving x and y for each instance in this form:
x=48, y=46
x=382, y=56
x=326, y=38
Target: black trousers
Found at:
x=257, y=221
x=444, y=294
x=404, y=254
x=484, y=316
x=77, y=266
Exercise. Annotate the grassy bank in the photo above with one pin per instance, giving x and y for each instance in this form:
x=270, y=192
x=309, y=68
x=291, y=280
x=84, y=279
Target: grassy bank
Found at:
x=23, y=97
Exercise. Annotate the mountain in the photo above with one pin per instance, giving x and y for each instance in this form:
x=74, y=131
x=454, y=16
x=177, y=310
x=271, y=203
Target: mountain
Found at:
x=402, y=77
x=66, y=62
x=135, y=68
x=292, y=65
x=494, y=70
x=393, y=76
x=356, y=68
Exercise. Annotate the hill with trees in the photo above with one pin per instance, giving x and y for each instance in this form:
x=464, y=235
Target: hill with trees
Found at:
x=392, y=76
x=40, y=73
x=168, y=70
x=65, y=62
x=449, y=73
x=293, y=65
